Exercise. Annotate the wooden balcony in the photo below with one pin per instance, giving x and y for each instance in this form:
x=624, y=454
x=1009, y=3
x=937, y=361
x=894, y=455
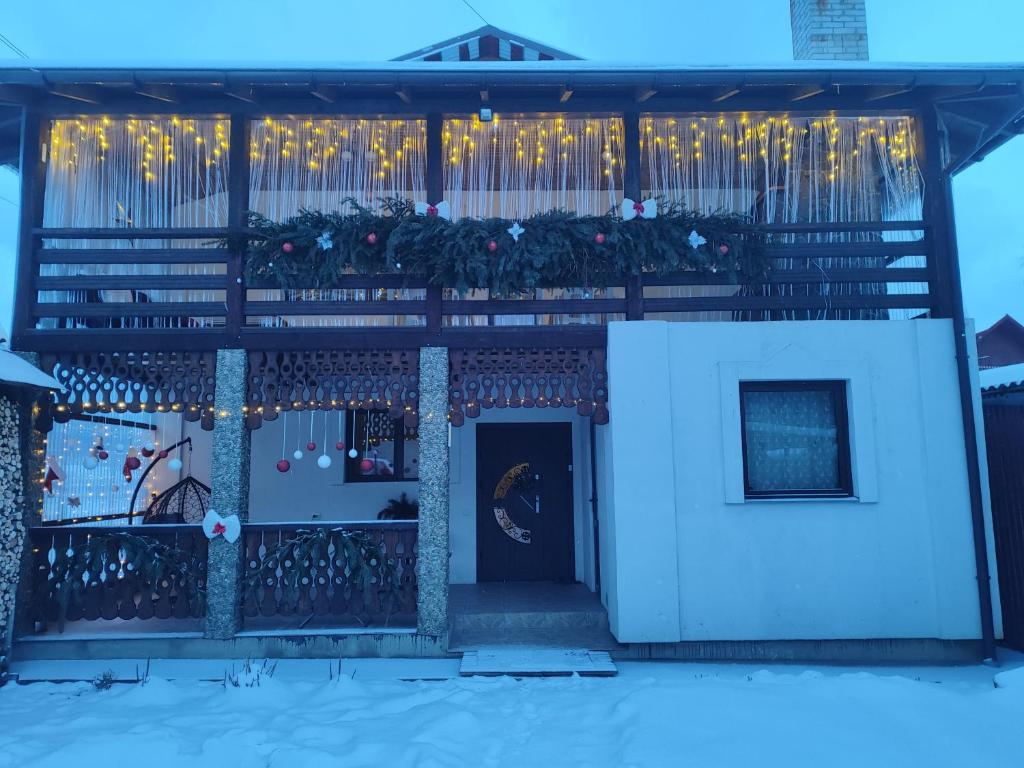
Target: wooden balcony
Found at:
x=89, y=298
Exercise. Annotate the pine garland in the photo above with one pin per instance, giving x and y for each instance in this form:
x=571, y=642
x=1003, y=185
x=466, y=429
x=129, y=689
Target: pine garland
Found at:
x=556, y=249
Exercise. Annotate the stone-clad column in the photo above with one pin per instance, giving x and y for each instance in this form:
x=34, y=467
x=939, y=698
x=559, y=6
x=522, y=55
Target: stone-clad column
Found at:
x=230, y=486
x=432, y=576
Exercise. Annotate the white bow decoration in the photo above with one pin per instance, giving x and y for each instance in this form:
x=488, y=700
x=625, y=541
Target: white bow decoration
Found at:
x=442, y=209
x=648, y=209
x=696, y=239
x=214, y=525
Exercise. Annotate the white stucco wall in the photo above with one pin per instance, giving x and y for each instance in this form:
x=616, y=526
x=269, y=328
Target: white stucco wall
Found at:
x=693, y=560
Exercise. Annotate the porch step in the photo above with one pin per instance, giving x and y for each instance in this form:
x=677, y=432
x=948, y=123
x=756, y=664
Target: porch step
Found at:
x=536, y=662
x=519, y=619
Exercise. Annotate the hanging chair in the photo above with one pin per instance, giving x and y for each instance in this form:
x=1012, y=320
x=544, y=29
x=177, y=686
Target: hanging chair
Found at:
x=184, y=502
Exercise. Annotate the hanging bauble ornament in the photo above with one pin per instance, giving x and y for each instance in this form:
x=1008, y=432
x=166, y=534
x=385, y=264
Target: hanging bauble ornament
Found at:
x=89, y=462
x=353, y=453
x=492, y=246
x=723, y=249
x=287, y=247
x=101, y=454
x=148, y=449
x=372, y=238
x=324, y=462
x=283, y=465
x=297, y=455
x=162, y=454
x=366, y=465
x=310, y=446
x=133, y=463
x=174, y=465
x=339, y=446
x=599, y=238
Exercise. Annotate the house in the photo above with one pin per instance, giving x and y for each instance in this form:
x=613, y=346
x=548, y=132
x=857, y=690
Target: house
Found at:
x=1002, y=343
x=672, y=360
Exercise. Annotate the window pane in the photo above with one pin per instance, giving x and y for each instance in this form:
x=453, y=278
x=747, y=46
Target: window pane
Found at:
x=382, y=454
x=791, y=440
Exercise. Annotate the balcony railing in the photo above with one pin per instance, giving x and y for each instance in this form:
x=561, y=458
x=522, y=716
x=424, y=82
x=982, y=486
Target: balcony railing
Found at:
x=295, y=577
x=87, y=574
x=876, y=270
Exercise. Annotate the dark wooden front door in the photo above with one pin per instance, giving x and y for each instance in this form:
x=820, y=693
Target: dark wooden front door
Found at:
x=524, y=509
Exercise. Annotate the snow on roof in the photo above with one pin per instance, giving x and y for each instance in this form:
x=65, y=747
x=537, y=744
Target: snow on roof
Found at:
x=578, y=65
x=15, y=370
x=1003, y=377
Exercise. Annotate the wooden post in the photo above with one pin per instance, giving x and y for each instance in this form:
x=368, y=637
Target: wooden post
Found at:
x=238, y=212
x=631, y=189
x=435, y=191
x=34, y=137
x=948, y=302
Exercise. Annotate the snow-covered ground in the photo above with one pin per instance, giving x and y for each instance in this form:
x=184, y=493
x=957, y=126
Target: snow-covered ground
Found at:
x=652, y=714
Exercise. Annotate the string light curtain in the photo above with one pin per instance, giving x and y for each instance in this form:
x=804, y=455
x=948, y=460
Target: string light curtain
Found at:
x=137, y=172
x=513, y=167
x=776, y=168
x=317, y=163
x=151, y=172
x=781, y=169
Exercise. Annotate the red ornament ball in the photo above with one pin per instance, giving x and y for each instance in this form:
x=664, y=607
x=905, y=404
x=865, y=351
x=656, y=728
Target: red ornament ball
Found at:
x=372, y=238
x=310, y=446
x=283, y=465
x=366, y=465
x=723, y=249
x=287, y=247
x=492, y=246
x=132, y=462
x=339, y=446
x=102, y=455
x=162, y=454
x=147, y=452
x=599, y=238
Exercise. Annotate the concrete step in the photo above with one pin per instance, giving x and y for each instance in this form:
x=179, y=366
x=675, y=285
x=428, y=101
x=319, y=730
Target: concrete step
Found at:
x=592, y=638
x=537, y=662
x=524, y=619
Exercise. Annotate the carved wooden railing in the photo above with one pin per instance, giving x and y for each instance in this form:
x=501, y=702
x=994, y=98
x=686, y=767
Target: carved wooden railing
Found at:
x=95, y=573
x=318, y=578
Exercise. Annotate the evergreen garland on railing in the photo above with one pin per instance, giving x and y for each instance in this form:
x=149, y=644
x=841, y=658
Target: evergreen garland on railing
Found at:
x=356, y=559
x=112, y=556
x=555, y=249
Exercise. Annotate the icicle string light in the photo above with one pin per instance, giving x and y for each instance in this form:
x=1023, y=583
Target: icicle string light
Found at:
x=514, y=167
x=301, y=163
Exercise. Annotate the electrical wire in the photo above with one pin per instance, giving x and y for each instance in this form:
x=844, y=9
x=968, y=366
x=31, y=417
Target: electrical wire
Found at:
x=10, y=44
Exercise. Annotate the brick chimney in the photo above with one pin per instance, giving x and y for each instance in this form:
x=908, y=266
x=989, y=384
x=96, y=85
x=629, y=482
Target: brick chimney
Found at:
x=829, y=29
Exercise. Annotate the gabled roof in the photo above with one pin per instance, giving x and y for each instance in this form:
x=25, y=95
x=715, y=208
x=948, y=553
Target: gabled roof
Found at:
x=1001, y=344
x=488, y=43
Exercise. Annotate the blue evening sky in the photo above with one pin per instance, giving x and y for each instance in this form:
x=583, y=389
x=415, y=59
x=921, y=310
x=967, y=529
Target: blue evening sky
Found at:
x=990, y=204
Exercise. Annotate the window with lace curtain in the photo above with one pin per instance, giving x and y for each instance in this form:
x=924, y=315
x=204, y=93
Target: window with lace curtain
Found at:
x=795, y=439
